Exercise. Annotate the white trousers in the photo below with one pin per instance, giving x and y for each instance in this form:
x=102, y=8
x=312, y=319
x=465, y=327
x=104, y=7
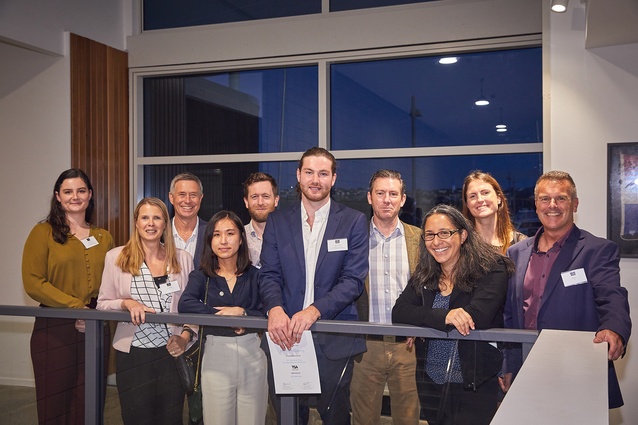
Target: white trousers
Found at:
x=234, y=380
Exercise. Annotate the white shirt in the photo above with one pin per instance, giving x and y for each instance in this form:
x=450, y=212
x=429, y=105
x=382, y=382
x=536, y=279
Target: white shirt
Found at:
x=389, y=271
x=312, y=239
x=191, y=244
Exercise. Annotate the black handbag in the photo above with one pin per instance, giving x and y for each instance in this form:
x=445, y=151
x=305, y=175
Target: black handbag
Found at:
x=189, y=367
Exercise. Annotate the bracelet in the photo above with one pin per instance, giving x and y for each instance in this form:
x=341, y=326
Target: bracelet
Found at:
x=190, y=332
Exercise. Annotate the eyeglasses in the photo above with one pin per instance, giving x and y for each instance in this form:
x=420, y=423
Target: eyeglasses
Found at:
x=546, y=200
x=443, y=234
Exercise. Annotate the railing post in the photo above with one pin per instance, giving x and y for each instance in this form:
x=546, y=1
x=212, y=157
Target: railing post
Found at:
x=94, y=368
x=289, y=410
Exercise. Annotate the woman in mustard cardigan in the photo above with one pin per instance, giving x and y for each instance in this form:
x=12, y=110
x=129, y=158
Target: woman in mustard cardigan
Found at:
x=62, y=267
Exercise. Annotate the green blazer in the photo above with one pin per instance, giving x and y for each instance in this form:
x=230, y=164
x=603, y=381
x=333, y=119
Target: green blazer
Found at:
x=412, y=244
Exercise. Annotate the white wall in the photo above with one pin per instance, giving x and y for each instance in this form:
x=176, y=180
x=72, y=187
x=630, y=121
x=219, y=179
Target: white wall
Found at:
x=594, y=101
x=592, y=96
x=35, y=135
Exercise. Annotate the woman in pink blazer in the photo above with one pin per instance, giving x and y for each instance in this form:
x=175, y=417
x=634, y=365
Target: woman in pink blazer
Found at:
x=148, y=275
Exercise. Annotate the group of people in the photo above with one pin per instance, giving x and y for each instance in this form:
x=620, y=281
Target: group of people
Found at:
x=317, y=259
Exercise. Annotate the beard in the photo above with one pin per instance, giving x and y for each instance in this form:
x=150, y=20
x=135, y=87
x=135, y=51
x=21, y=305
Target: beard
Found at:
x=259, y=216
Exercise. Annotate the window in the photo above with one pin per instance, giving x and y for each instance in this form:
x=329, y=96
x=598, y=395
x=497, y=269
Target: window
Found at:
x=411, y=114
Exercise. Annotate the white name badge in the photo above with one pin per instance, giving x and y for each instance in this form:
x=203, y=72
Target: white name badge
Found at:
x=574, y=277
x=337, y=245
x=90, y=242
x=169, y=287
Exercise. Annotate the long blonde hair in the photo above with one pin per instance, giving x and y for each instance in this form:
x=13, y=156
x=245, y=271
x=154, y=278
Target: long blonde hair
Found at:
x=132, y=256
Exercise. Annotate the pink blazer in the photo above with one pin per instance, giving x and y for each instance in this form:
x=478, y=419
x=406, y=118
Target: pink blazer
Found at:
x=116, y=287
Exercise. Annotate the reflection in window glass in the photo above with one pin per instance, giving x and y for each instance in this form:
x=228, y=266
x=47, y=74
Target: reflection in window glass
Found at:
x=338, y=5
x=434, y=180
x=223, y=184
x=402, y=103
x=272, y=110
x=429, y=181
x=162, y=14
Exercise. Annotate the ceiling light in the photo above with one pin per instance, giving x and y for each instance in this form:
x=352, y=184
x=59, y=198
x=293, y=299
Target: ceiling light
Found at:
x=482, y=101
x=501, y=130
x=448, y=60
x=559, y=6
x=501, y=126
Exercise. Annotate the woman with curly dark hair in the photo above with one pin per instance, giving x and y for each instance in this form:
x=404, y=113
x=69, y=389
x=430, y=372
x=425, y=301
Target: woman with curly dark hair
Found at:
x=460, y=283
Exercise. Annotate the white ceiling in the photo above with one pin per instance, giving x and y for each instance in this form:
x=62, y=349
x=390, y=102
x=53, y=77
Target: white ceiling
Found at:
x=611, y=22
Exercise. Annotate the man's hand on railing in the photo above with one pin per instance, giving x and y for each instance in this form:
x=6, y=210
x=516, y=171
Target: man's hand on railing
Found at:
x=616, y=346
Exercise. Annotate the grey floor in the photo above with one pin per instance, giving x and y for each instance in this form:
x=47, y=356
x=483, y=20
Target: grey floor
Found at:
x=17, y=407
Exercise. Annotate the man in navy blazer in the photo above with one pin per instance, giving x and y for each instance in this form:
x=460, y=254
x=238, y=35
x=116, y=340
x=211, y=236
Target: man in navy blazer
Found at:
x=567, y=278
x=314, y=261
x=186, y=194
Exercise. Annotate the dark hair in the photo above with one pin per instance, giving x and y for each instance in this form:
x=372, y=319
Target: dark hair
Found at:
x=476, y=259
x=386, y=174
x=317, y=151
x=557, y=176
x=260, y=177
x=57, y=216
x=504, y=227
x=209, y=263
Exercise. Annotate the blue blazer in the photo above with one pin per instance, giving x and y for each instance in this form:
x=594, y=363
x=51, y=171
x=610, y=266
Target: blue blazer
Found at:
x=600, y=303
x=199, y=248
x=339, y=276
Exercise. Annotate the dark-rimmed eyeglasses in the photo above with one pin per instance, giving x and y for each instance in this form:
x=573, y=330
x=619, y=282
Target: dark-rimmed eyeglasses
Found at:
x=443, y=234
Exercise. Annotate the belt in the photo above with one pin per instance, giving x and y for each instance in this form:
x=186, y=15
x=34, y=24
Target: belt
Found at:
x=387, y=338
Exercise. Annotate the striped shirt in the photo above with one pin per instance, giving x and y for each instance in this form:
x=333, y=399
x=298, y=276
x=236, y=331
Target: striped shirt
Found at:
x=144, y=290
x=389, y=271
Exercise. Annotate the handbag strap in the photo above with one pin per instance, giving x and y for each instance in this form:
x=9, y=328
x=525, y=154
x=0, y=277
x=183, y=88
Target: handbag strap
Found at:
x=201, y=334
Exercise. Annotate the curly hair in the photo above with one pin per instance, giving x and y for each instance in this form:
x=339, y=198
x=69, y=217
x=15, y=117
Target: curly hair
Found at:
x=477, y=258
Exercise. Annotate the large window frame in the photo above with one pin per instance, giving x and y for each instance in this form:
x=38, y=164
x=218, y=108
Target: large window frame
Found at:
x=323, y=62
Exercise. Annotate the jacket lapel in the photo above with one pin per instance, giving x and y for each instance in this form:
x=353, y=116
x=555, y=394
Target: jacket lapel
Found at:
x=294, y=219
x=331, y=229
x=570, y=250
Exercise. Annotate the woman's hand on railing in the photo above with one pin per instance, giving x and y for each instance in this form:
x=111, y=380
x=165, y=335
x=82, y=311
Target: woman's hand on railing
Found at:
x=137, y=309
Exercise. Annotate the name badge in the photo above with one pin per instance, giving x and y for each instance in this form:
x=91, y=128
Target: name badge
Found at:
x=335, y=245
x=90, y=242
x=573, y=277
x=169, y=287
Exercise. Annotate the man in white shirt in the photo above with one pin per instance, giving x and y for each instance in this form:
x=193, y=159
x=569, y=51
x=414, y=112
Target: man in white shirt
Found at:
x=261, y=197
x=393, y=255
x=186, y=193
x=314, y=262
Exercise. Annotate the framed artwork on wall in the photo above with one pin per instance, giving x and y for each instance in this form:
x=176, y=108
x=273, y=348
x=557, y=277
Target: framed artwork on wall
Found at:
x=622, y=197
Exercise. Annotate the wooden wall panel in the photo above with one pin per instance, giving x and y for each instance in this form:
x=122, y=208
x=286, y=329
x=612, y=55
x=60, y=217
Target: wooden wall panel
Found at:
x=99, y=129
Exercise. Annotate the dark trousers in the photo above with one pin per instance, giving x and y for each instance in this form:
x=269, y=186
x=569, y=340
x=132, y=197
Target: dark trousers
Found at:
x=149, y=387
x=57, y=353
x=333, y=404
x=451, y=404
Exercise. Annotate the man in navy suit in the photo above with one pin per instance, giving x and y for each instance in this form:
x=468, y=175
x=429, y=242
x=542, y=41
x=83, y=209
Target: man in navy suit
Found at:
x=186, y=194
x=567, y=278
x=314, y=261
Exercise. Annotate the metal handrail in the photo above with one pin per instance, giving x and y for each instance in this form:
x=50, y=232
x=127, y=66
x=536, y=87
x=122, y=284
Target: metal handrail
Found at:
x=94, y=339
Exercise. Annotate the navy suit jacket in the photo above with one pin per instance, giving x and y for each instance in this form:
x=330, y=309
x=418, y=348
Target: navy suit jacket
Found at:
x=339, y=276
x=199, y=248
x=600, y=303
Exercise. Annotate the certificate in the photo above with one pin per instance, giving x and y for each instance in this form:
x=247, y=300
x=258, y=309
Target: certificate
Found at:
x=295, y=371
